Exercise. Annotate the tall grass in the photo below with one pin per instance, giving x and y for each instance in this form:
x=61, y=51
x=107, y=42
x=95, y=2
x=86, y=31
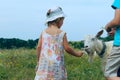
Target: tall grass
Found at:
x=19, y=64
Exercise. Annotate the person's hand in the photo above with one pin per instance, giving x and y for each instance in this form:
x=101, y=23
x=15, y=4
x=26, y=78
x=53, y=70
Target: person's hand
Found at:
x=36, y=68
x=111, y=31
x=80, y=53
x=108, y=29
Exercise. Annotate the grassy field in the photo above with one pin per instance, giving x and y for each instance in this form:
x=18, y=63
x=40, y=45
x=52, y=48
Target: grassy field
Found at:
x=19, y=64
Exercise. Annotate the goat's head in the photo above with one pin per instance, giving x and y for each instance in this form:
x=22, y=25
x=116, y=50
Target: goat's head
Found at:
x=89, y=44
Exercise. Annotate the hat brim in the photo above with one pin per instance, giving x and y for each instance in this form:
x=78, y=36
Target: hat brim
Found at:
x=54, y=18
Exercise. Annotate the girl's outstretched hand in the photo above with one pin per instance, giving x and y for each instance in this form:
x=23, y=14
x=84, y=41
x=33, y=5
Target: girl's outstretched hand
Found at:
x=80, y=53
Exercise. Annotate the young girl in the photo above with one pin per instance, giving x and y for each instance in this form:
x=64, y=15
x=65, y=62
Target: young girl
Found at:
x=50, y=48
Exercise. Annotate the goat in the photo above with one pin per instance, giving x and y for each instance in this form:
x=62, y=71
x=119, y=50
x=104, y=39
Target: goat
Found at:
x=93, y=45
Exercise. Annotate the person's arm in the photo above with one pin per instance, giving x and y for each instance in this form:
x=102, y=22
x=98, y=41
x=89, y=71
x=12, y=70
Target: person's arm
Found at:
x=69, y=50
x=38, y=48
x=115, y=21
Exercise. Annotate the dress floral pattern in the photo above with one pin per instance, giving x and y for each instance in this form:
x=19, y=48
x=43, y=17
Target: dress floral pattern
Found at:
x=51, y=62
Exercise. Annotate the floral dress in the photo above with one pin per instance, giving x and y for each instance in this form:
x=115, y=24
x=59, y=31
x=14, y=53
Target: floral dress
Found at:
x=51, y=62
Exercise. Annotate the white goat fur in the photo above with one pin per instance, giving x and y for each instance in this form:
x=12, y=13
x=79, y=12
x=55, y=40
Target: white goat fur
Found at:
x=93, y=45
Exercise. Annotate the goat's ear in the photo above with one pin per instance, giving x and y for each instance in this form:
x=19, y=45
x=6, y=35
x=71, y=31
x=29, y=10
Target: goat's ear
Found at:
x=99, y=34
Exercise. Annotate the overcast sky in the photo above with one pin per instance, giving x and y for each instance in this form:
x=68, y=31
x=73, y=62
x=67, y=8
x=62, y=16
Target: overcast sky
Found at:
x=24, y=19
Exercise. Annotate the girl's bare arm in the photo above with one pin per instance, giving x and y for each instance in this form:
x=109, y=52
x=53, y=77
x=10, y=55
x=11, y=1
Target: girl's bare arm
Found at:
x=69, y=50
x=38, y=48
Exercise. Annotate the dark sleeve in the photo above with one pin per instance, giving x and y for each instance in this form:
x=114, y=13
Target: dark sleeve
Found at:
x=114, y=7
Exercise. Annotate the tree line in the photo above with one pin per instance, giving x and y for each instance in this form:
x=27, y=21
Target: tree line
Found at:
x=6, y=43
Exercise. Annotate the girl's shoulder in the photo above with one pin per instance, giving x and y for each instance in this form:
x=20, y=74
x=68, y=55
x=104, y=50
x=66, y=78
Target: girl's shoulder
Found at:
x=54, y=32
x=60, y=31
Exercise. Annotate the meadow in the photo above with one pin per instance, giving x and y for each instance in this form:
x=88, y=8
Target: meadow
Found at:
x=19, y=64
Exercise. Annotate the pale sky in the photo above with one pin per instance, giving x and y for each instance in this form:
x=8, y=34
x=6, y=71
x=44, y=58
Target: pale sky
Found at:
x=24, y=19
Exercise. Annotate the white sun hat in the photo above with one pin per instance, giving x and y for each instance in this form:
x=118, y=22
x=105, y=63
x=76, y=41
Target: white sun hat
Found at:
x=54, y=14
